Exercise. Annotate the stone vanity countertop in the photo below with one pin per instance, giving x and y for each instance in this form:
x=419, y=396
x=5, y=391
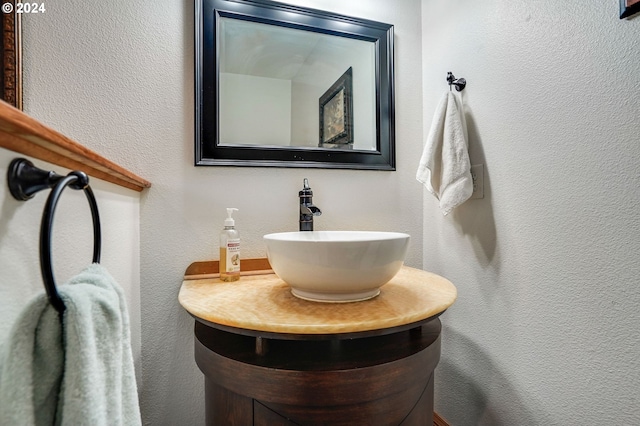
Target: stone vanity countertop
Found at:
x=264, y=303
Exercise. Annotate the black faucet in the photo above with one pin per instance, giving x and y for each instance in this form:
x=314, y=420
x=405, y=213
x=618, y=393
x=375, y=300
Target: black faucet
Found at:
x=307, y=209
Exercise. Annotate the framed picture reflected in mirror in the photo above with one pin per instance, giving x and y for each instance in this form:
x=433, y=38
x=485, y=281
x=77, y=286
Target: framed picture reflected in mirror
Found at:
x=336, y=114
x=628, y=8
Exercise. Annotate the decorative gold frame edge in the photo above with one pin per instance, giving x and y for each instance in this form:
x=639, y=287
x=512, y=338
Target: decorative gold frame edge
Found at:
x=12, y=57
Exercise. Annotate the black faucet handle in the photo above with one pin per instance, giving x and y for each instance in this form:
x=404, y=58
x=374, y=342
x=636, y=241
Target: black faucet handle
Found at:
x=306, y=190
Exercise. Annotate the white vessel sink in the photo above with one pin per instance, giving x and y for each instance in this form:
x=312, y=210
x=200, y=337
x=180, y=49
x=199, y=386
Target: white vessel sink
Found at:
x=336, y=266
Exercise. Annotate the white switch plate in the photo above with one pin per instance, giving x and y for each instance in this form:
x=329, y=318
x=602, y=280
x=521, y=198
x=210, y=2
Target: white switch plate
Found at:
x=477, y=174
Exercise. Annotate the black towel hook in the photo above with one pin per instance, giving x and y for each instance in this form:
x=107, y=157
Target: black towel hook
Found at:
x=24, y=181
x=460, y=83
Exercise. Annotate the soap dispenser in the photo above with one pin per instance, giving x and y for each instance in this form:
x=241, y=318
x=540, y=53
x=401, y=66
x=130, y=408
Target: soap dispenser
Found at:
x=229, y=249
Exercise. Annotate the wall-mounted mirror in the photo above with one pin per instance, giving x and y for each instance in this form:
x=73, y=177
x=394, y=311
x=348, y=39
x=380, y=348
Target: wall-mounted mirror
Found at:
x=287, y=86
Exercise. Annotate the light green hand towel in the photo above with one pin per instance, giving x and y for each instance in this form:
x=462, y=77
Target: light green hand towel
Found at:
x=78, y=374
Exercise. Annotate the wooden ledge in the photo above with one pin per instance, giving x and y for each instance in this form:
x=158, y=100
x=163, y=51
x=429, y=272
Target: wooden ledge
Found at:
x=439, y=421
x=211, y=268
x=26, y=135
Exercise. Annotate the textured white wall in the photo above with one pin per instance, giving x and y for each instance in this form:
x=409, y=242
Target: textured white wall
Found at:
x=547, y=265
x=118, y=76
x=72, y=242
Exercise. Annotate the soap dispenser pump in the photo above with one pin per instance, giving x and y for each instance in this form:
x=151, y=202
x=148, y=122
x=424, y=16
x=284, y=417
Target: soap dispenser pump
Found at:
x=230, y=249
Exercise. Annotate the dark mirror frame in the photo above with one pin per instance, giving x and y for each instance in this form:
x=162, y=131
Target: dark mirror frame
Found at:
x=208, y=151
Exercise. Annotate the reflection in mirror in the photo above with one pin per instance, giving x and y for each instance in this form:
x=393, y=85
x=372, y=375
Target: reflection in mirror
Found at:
x=272, y=78
x=287, y=86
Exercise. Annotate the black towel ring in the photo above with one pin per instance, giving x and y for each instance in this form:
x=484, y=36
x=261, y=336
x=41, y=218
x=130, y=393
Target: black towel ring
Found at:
x=24, y=181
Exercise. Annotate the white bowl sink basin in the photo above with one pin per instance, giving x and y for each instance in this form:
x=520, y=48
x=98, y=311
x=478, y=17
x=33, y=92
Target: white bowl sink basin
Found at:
x=336, y=266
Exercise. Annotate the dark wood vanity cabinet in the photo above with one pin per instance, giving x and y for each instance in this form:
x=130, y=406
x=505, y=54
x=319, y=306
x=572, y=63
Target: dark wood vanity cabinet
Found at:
x=372, y=379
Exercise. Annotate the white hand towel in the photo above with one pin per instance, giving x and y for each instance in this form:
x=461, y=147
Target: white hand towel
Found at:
x=444, y=168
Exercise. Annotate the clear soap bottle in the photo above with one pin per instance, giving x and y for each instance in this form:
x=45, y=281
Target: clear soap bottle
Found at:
x=229, y=249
